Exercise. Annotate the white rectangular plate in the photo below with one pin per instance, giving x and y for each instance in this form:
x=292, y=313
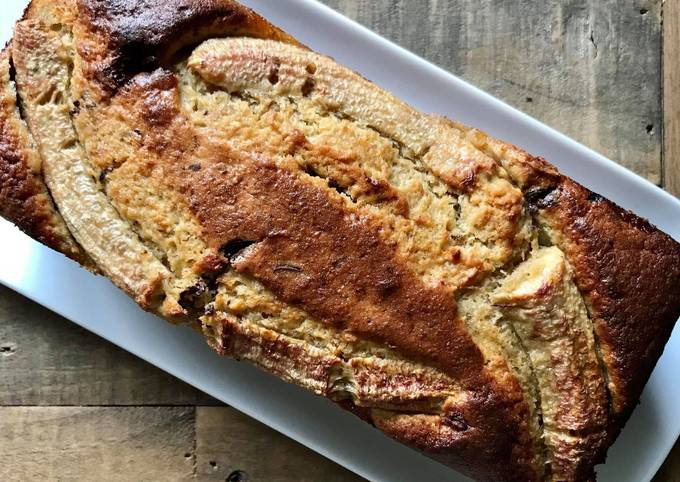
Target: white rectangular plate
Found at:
x=92, y=302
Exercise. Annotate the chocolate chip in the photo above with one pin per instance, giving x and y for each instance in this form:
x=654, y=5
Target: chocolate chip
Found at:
x=76, y=107
x=308, y=87
x=105, y=172
x=197, y=290
x=194, y=167
x=540, y=197
x=287, y=267
x=309, y=170
x=189, y=298
x=387, y=286
x=456, y=421
x=593, y=197
x=273, y=76
x=235, y=246
x=468, y=181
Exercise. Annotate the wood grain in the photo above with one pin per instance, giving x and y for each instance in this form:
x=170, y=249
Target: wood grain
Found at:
x=671, y=102
x=589, y=68
x=47, y=360
x=230, y=444
x=97, y=443
x=670, y=471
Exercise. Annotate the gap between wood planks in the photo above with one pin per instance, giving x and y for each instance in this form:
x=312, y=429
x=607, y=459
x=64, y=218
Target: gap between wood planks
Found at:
x=671, y=96
x=670, y=155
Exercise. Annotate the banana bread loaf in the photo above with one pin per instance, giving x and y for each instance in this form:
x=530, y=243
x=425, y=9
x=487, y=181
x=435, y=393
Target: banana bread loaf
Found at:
x=454, y=291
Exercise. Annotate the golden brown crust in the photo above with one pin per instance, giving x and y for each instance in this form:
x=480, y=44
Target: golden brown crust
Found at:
x=369, y=283
x=627, y=270
x=24, y=198
x=451, y=440
x=313, y=253
x=131, y=36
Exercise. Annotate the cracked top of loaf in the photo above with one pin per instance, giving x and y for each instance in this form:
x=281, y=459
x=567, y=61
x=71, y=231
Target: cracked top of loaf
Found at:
x=451, y=289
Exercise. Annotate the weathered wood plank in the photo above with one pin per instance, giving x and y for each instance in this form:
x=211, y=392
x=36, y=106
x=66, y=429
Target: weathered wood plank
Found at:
x=670, y=471
x=671, y=35
x=231, y=446
x=47, y=360
x=97, y=443
x=591, y=69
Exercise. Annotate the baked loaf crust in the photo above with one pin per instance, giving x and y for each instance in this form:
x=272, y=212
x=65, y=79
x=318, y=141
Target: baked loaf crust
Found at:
x=454, y=291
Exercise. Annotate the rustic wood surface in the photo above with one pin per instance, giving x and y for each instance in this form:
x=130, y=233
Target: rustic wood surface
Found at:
x=671, y=100
x=97, y=443
x=48, y=361
x=590, y=68
x=74, y=407
x=230, y=443
x=670, y=472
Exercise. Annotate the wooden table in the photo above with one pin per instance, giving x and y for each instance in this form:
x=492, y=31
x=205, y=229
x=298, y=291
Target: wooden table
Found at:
x=74, y=407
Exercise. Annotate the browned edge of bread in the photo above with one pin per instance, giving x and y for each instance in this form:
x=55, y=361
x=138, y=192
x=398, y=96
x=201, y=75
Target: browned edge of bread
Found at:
x=627, y=270
x=139, y=36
